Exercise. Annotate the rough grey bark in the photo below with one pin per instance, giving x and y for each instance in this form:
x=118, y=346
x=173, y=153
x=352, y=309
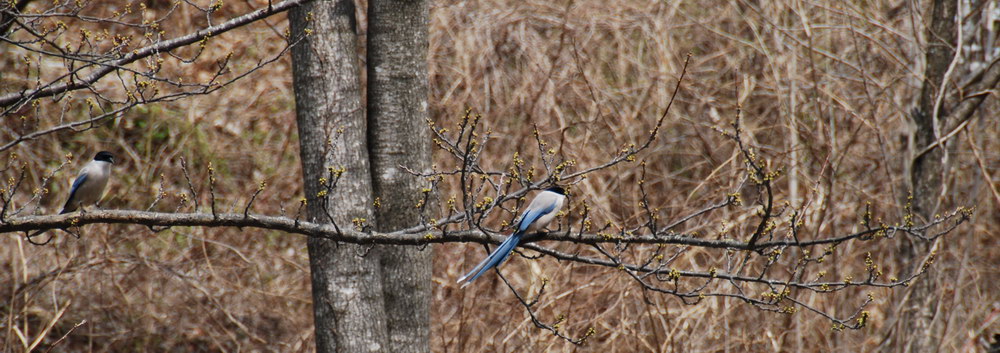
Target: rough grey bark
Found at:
x=398, y=136
x=926, y=171
x=348, y=306
x=916, y=328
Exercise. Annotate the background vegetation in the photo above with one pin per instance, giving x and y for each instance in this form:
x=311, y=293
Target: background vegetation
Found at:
x=825, y=91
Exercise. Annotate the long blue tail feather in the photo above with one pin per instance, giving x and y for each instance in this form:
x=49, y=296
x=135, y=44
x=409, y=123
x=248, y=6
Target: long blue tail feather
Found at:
x=496, y=258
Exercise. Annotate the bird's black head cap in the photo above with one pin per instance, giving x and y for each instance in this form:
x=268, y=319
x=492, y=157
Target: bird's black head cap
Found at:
x=556, y=189
x=105, y=156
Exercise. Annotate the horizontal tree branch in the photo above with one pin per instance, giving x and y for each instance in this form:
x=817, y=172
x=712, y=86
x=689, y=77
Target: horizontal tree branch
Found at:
x=329, y=231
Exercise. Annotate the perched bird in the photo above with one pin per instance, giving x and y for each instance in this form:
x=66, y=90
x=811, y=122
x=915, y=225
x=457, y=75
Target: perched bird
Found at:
x=89, y=185
x=87, y=188
x=540, y=212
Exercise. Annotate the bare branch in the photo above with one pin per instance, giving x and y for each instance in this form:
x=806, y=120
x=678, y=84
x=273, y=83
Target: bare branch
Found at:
x=164, y=46
x=290, y=225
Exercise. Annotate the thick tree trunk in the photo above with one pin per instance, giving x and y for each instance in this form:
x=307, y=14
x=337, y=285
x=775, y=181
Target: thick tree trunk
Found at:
x=346, y=279
x=916, y=329
x=398, y=136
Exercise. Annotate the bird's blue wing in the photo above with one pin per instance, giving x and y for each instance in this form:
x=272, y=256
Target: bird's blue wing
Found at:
x=76, y=183
x=72, y=192
x=530, y=215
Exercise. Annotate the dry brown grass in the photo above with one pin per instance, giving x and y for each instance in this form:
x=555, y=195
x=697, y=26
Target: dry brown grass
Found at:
x=593, y=76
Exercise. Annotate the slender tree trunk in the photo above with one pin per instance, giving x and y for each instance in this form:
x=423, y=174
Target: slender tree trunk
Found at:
x=916, y=328
x=346, y=279
x=398, y=136
x=926, y=171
